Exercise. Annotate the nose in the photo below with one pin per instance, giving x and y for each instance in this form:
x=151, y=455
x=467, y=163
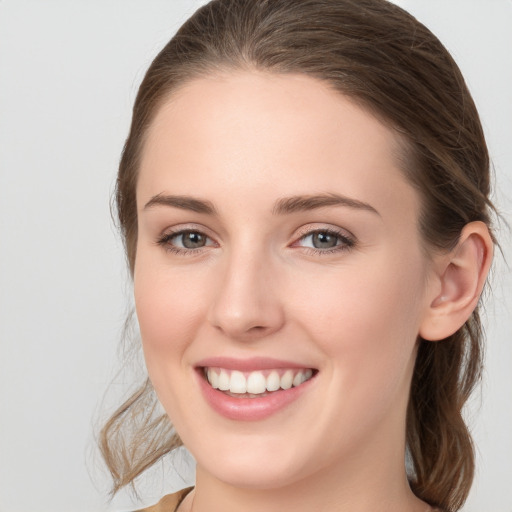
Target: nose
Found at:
x=246, y=305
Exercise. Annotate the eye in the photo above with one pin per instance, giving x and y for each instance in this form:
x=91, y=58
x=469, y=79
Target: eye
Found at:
x=189, y=240
x=185, y=241
x=325, y=241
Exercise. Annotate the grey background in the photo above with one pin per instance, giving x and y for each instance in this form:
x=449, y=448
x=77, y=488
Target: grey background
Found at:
x=69, y=72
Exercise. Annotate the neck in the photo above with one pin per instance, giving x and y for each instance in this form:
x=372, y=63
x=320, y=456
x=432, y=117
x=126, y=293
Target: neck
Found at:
x=356, y=486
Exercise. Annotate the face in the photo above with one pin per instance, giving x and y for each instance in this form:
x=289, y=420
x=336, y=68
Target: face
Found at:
x=279, y=261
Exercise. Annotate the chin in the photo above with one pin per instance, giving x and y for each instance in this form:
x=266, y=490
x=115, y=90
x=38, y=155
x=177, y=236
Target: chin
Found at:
x=259, y=467
x=257, y=478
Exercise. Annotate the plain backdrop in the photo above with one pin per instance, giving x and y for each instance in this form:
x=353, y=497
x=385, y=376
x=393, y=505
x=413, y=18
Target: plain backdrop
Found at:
x=69, y=72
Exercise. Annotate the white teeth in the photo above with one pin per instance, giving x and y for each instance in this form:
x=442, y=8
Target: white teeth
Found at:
x=237, y=382
x=298, y=379
x=273, y=381
x=213, y=378
x=224, y=380
x=287, y=379
x=255, y=383
x=302, y=377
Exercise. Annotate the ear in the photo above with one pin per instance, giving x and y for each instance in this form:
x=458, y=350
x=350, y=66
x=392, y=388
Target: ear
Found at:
x=458, y=282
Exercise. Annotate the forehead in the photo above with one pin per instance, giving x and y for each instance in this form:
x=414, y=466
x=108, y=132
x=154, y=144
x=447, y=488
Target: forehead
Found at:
x=237, y=132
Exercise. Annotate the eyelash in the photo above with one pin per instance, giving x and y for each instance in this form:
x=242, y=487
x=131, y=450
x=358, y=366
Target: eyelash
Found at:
x=346, y=242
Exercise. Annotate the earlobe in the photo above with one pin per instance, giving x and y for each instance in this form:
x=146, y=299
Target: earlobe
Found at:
x=461, y=276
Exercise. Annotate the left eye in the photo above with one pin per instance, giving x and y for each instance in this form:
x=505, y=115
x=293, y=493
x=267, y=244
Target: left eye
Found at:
x=325, y=240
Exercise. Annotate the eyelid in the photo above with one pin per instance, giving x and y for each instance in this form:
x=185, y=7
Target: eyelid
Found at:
x=321, y=228
x=180, y=228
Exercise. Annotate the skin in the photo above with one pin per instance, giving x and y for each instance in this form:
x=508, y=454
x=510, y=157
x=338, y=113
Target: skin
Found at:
x=242, y=141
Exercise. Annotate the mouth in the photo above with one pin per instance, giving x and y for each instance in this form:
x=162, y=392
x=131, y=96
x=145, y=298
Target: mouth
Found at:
x=254, y=389
x=255, y=384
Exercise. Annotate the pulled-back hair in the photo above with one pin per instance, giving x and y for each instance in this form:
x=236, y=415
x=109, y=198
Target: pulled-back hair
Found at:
x=391, y=65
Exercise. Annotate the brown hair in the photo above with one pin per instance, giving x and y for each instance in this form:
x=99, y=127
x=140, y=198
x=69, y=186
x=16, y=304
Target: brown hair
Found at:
x=390, y=64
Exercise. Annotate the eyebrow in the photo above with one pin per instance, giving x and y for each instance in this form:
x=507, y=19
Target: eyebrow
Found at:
x=283, y=206
x=182, y=202
x=312, y=202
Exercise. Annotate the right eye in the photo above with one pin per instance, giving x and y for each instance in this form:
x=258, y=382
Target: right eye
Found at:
x=185, y=241
x=189, y=240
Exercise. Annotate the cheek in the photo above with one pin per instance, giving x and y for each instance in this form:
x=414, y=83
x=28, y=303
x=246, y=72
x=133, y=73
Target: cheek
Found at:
x=168, y=306
x=366, y=317
x=169, y=311
x=365, y=320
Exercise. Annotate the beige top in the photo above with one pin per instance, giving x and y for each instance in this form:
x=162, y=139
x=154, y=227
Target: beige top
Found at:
x=168, y=503
x=171, y=502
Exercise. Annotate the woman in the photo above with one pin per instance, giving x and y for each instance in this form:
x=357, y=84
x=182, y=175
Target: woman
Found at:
x=304, y=201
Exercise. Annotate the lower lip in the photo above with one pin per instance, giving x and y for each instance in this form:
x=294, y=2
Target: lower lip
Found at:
x=250, y=409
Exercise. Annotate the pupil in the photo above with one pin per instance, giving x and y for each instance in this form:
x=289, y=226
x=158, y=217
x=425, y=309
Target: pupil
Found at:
x=193, y=240
x=324, y=240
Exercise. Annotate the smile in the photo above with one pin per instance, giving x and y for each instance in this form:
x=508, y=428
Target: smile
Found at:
x=255, y=384
x=253, y=389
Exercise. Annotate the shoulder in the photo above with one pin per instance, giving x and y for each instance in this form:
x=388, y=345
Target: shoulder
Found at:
x=168, y=503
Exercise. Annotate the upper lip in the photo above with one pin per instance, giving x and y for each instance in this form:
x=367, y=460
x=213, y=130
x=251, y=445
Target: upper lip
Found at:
x=248, y=365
